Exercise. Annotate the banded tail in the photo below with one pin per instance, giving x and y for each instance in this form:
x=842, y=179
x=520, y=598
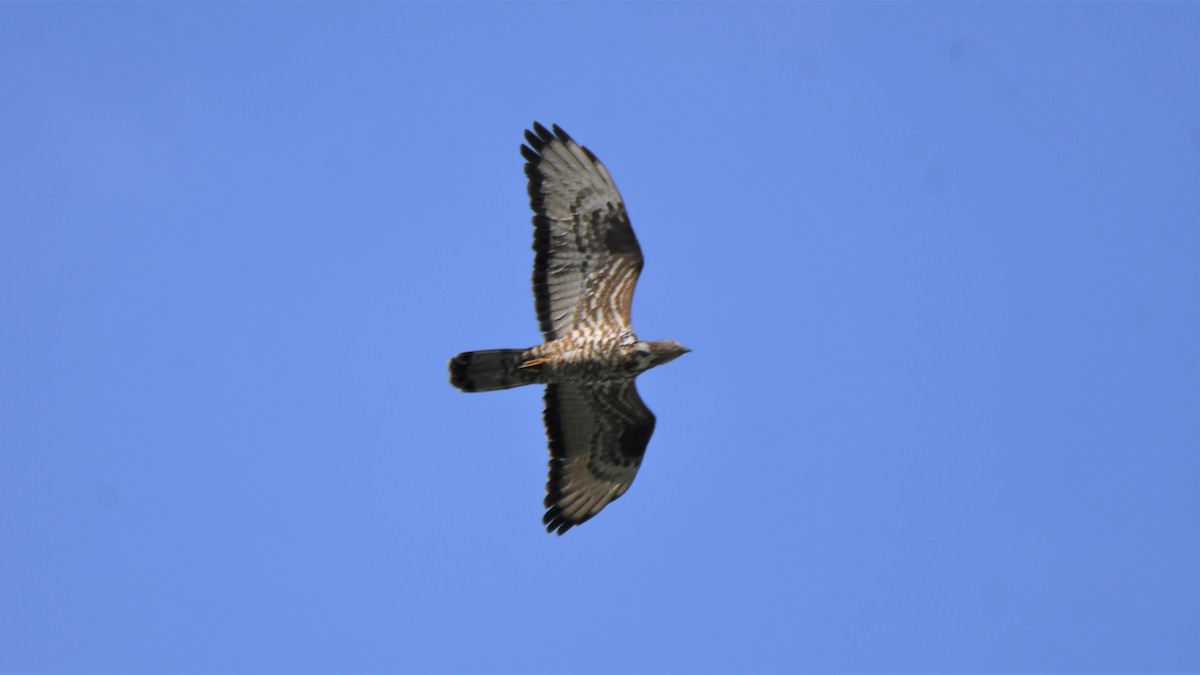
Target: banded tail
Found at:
x=490, y=370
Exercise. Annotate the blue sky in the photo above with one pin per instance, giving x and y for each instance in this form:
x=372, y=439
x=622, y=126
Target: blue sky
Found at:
x=938, y=264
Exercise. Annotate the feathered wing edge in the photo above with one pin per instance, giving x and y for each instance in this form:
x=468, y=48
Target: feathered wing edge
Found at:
x=575, y=188
x=598, y=434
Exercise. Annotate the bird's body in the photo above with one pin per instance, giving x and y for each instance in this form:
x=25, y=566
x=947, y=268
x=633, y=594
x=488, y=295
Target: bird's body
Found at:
x=570, y=359
x=587, y=263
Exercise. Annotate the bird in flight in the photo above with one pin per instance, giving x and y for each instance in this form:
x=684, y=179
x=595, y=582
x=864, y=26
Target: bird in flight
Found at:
x=585, y=266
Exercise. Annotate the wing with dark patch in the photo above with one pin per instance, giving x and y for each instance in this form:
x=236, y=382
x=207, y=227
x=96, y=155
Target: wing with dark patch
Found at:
x=587, y=258
x=598, y=434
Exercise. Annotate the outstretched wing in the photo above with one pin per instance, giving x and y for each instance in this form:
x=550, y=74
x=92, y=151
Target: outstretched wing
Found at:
x=587, y=259
x=598, y=434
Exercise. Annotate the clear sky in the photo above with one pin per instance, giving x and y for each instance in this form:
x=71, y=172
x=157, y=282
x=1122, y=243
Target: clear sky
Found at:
x=939, y=265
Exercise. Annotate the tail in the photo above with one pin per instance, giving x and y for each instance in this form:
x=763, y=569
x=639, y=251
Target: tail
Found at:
x=490, y=370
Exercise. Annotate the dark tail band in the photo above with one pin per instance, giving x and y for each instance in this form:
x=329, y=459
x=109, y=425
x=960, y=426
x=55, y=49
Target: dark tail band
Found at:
x=489, y=370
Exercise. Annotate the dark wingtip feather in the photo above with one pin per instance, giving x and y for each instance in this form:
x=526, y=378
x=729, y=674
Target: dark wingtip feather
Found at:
x=533, y=141
x=543, y=134
x=553, y=520
x=562, y=135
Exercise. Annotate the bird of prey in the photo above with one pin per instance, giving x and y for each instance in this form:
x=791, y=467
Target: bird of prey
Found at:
x=586, y=263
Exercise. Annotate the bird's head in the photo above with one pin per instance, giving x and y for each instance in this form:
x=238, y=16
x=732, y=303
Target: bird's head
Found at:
x=665, y=351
